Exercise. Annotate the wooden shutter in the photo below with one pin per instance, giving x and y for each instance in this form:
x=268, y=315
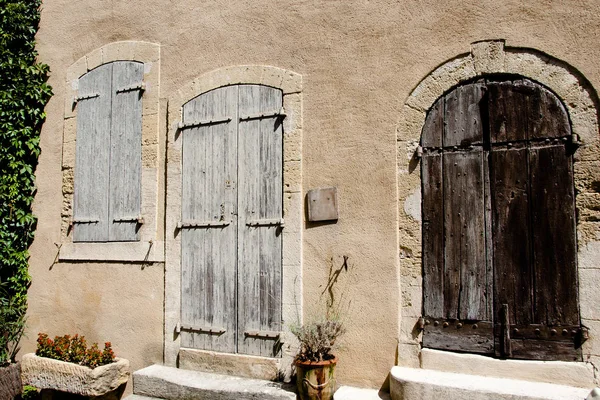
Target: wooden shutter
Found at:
x=125, y=151
x=208, y=226
x=90, y=204
x=260, y=212
x=456, y=281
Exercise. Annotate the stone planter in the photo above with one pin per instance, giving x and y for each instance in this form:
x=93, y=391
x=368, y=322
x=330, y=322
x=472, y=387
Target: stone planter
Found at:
x=10, y=381
x=46, y=373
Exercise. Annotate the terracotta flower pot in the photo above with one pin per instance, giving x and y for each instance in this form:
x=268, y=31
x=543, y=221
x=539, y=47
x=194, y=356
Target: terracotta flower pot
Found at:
x=316, y=380
x=10, y=381
x=46, y=373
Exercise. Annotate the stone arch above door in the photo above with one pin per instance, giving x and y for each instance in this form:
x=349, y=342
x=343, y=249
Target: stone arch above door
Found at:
x=290, y=85
x=580, y=100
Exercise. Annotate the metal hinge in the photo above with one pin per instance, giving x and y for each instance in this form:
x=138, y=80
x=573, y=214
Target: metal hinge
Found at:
x=195, y=124
x=263, y=334
x=201, y=224
x=85, y=221
x=266, y=222
x=211, y=330
x=137, y=219
x=140, y=86
x=274, y=114
x=85, y=97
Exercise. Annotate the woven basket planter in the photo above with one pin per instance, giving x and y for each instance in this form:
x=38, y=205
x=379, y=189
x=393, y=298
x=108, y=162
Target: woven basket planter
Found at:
x=46, y=373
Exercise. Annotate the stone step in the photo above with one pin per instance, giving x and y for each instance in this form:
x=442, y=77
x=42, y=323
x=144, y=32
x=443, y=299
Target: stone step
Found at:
x=138, y=397
x=417, y=384
x=353, y=393
x=178, y=384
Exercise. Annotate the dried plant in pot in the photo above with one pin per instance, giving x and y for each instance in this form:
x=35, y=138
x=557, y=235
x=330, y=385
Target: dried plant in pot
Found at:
x=315, y=362
x=12, y=324
x=66, y=364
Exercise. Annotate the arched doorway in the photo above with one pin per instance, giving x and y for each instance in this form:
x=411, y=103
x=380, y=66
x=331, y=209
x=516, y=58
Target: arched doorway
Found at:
x=499, y=241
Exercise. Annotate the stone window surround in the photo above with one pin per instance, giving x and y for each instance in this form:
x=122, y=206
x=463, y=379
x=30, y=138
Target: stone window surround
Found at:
x=580, y=100
x=150, y=247
x=291, y=85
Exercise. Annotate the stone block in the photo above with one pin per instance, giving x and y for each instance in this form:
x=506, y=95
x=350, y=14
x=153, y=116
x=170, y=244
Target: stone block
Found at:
x=409, y=333
x=410, y=124
x=488, y=56
x=68, y=180
x=291, y=283
x=352, y=393
x=70, y=130
x=147, y=52
x=578, y=374
x=69, y=151
x=272, y=76
x=77, y=69
x=589, y=298
x=408, y=355
x=46, y=373
x=292, y=176
x=70, y=105
x=412, y=301
x=293, y=212
x=417, y=383
x=10, y=381
x=292, y=82
x=592, y=345
x=150, y=129
x=94, y=59
x=118, y=51
x=292, y=145
x=149, y=156
x=588, y=256
x=229, y=364
x=166, y=382
x=587, y=232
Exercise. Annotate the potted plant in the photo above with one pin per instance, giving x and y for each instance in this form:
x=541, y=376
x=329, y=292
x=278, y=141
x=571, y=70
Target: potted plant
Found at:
x=315, y=363
x=12, y=323
x=66, y=364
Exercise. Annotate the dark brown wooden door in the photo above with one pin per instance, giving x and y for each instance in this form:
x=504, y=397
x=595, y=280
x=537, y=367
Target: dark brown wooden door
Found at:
x=499, y=266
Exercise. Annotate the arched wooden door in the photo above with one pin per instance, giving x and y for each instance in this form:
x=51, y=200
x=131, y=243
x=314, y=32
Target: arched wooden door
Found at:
x=499, y=238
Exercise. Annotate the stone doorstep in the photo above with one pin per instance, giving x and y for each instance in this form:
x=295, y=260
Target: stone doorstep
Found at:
x=417, y=384
x=157, y=381
x=352, y=393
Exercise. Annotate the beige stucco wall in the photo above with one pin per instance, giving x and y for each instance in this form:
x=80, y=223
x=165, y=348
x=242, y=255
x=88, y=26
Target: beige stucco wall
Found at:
x=359, y=61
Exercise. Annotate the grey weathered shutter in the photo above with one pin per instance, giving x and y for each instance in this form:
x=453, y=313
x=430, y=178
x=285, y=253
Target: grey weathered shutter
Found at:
x=456, y=282
x=90, y=204
x=533, y=223
x=208, y=226
x=259, y=226
x=125, y=151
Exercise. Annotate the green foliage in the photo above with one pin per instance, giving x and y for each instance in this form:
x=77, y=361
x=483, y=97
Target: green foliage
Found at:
x=74, y=349
x=30, y=393
x=23, y=95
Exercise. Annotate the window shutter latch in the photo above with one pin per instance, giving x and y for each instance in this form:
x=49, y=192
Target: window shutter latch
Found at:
x=137, y=219
x=274, y=114
x=84, y=97
x=140, y=86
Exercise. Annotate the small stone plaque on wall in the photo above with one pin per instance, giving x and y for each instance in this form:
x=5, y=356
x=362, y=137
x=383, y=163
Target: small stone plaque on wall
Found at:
x=322, y=204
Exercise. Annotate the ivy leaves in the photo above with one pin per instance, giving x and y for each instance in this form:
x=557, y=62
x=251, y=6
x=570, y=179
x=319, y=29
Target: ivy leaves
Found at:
x=23, y=96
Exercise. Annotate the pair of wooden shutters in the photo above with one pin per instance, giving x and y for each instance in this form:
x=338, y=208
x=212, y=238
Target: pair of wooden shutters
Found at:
x=107, y=198
x=231, y=227
x=499, y=242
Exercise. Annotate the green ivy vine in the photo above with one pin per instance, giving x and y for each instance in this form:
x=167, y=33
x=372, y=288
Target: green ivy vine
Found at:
x=23, y=95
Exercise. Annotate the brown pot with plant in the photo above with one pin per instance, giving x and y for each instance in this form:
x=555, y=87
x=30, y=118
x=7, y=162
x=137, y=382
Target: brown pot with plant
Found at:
x=12, y=323
x=315, y=363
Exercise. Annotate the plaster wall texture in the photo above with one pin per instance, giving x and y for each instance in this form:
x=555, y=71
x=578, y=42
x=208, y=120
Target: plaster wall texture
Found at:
x=360, y=61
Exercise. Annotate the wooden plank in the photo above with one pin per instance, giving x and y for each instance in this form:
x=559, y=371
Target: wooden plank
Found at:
x=433, y=235
x=464, y=232
x=474, y=336
x=92, y=158
x=208, y=256
x=554, y=245
x=507, y=111
x=433, y=129
x=544, y=350
x=260, y=196
x=547, y=115
x=510, y=231
x=463, y=116
x=125, y=152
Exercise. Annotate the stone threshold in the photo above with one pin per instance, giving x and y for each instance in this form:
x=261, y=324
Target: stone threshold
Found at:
x=417, y=384
x=160, y=382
